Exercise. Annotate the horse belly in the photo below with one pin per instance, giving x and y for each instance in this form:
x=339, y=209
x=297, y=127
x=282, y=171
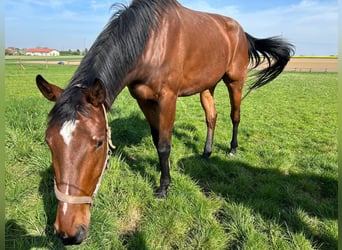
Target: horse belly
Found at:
x=201, y=77
x=191, y=88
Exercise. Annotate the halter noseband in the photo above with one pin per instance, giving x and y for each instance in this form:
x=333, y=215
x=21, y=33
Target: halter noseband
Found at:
x=88, y=199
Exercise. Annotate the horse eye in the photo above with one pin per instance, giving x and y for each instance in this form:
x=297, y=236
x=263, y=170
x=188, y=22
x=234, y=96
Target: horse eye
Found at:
x=99, y=143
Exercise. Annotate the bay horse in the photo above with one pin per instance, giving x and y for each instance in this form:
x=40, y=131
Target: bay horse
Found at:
x=160, y=50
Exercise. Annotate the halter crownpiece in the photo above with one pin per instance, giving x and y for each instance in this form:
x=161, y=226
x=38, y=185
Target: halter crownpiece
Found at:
x=88, y=199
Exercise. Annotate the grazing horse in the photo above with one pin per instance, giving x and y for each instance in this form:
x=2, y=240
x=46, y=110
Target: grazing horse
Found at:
x=160, y=50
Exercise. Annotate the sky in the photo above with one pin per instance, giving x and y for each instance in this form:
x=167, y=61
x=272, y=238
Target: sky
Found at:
x=311, y=25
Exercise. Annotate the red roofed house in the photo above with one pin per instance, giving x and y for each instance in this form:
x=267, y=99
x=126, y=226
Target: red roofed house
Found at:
x=41, y=52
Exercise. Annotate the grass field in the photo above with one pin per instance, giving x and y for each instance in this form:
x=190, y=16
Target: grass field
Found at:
x=279, y=192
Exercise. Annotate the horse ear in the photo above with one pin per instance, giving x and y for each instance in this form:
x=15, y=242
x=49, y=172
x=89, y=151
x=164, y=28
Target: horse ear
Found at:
x=50, y=91
x=97, y=93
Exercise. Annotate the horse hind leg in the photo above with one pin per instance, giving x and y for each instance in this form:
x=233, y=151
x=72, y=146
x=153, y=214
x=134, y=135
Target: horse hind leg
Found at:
x=235, y=95
x=208, y=105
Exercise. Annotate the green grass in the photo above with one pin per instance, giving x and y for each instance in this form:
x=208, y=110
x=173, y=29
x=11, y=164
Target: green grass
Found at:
x=279, y=192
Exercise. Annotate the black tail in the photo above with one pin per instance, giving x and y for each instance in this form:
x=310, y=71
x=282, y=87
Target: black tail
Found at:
x=275, y=50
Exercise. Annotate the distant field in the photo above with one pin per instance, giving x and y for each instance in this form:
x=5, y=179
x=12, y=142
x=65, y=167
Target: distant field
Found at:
x=313, y=64
x=279, y=192
x=41, y=58
x=297, y=63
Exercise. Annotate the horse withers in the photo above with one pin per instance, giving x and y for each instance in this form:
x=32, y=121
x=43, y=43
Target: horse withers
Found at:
x=160, y=50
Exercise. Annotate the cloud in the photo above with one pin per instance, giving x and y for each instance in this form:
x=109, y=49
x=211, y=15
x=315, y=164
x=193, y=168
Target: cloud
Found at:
x=207, y=6
x=310, y=25
x=54, y=23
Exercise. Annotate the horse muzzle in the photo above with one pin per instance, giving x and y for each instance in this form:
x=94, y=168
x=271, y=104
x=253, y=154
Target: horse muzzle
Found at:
x=78, y=238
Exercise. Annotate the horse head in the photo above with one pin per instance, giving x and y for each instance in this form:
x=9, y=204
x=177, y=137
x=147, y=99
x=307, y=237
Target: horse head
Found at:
x=79, y=140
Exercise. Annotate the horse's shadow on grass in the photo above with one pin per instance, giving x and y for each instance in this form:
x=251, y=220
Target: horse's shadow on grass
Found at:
x=46, y=190
x=14, y=232
x=275, y=195
x=129, y=131
x=16, y=236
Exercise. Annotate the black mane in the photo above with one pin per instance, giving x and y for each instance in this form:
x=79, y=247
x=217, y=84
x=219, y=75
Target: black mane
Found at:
x=112, y=55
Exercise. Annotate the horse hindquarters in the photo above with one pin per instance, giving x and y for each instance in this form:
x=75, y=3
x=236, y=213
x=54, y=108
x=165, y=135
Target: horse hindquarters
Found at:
x=277, y=53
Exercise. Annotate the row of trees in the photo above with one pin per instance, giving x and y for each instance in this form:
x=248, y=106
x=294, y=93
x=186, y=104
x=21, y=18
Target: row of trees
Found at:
x=73, y=53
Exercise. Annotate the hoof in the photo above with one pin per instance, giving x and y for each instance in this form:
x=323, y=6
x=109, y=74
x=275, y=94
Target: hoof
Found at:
x=161, y=193
x=231, y=152
x=206, y=155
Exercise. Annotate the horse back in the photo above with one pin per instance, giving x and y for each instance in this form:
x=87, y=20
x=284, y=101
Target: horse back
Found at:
x=189, y=52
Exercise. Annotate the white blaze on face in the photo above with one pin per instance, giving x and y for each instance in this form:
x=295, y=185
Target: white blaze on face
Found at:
x=67, y=129
x=65, y=205
x=66, y=132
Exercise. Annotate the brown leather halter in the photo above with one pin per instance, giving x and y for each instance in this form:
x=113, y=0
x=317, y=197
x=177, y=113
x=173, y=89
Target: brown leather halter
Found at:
x=88, y=199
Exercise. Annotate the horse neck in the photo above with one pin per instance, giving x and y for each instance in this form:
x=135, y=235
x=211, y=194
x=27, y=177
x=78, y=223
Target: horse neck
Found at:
x=86, y=75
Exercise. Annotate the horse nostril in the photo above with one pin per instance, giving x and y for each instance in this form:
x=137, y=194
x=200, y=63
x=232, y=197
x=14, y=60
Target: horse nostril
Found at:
x=81, y=234
x=64, y=238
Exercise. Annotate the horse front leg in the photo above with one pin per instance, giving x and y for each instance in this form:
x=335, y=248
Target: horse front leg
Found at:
x=164, y=150
x=160, y=115
x=208, y=105
x=167, y=112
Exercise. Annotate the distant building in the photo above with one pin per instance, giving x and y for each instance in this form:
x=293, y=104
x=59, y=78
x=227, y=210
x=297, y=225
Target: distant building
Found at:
x=41, y=52
x=11, y=51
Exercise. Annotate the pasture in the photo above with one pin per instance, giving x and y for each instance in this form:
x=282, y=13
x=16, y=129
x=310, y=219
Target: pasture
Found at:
x=279, y=192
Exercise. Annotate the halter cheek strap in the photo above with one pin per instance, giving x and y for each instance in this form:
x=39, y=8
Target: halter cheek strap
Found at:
x=88, y=199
